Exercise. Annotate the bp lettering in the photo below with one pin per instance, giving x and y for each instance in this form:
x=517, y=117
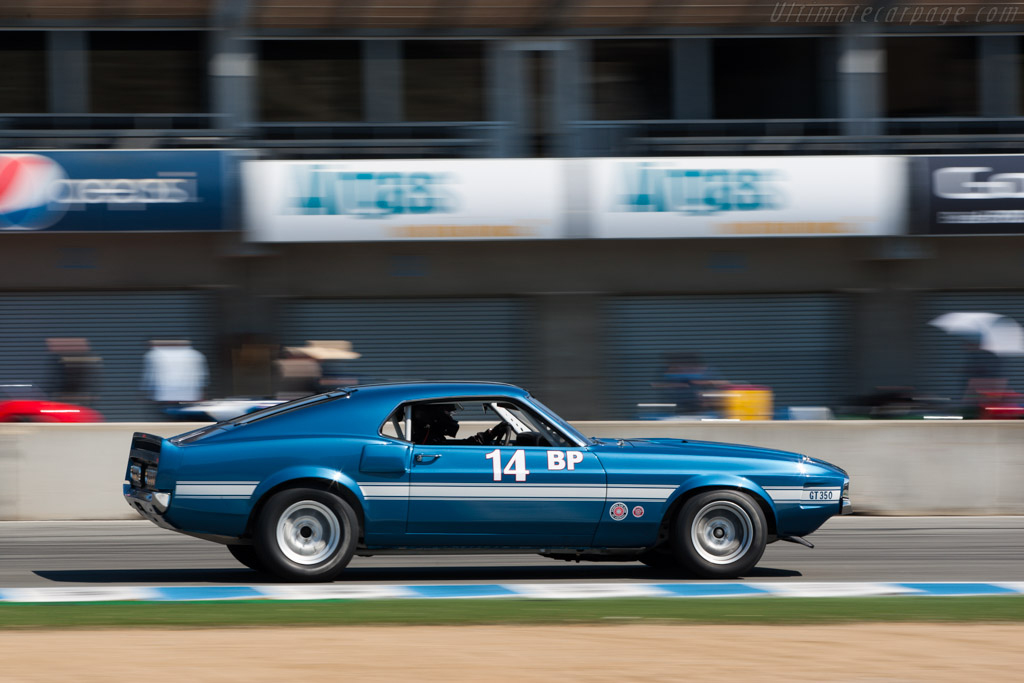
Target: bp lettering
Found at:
x=564, y=460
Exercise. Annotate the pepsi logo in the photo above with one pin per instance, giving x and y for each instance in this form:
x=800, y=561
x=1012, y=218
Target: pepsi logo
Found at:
x=27, y=183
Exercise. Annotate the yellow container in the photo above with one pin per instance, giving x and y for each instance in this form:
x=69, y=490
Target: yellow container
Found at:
x=747, y=402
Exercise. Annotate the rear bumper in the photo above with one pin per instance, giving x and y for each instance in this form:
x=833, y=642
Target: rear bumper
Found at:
x=150, y=504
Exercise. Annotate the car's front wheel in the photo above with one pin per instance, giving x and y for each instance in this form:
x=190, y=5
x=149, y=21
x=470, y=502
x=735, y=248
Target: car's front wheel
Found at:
x=306, y=535
x=719, y=534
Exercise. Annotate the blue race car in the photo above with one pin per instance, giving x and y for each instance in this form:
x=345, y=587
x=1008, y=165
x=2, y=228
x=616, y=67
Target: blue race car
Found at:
x=299, y=488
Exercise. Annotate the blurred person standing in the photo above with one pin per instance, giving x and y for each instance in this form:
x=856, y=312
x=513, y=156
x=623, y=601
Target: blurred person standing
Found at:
x=296, y=374
x=174, y=373
x=76, y=369
x=300, y=370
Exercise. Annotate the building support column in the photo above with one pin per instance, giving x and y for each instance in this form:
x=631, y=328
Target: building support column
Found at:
x=826, y=72
x=860, y=68
x=67, y=69
x=232, y=66
x=506, y=97
x=692, y=94
x=998, y=76
x=570, y=96
x=382, y=81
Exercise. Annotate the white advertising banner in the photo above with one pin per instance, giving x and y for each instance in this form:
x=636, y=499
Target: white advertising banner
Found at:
x=452, y=199
x=748, y=196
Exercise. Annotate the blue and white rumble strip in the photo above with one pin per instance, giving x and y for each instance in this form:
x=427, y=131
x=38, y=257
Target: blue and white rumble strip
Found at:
x=548, y=591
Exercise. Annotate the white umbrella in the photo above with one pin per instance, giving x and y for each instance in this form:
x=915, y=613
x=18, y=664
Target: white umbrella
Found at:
x=996, y=333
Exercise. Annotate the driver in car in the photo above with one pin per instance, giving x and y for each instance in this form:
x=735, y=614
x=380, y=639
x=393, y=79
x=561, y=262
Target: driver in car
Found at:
x=433, y=424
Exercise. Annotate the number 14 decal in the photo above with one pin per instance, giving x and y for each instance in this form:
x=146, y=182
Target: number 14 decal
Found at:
x=516, y=465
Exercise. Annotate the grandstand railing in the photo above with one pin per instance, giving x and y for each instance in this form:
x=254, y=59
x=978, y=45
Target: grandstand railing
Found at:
x=804, y=136
x=496, y=138
x=418, y=139
x=114, y=130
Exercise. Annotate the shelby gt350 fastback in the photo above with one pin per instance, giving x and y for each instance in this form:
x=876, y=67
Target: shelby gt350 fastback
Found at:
x=299, y=488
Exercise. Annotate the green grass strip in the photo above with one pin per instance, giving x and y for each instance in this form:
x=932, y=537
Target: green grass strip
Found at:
x=512, y=611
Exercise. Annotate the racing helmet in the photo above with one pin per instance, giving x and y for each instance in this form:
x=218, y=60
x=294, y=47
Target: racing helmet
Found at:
x=434, y=421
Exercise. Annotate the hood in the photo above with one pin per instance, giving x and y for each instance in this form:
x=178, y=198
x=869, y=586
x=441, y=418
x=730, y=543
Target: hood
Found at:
x=702, y=448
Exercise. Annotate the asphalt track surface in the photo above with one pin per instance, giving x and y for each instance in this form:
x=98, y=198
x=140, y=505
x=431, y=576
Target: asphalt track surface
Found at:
x=847, y=549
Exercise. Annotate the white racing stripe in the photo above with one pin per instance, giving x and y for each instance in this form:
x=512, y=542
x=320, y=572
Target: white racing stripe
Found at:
x=640, y=493
x=798, y=494
x=452, y=490
x=637, y=492
x=506, y=491
x=215, y=489
x=385, y=490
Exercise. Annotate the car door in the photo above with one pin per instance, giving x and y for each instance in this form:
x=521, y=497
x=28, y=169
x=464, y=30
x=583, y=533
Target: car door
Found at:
x=504, y=495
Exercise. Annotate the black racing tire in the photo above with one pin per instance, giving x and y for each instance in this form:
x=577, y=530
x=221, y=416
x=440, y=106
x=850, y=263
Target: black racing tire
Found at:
x=246, y=554
x=305, y=535
x=719, y=534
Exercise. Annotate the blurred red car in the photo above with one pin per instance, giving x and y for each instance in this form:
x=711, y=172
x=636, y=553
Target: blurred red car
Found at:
x=24, y=403
x=1000, y=405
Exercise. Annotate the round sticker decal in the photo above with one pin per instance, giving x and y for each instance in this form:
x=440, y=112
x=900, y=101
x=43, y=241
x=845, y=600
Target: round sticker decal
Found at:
x=619, y=511
x=638, y=511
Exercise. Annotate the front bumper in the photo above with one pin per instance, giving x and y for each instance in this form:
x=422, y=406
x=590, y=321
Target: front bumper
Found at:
x=150, y=504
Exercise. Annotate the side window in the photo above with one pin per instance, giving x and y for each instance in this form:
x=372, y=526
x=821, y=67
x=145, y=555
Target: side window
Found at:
x=394, y=426
x=447, y=422
x=475, y=422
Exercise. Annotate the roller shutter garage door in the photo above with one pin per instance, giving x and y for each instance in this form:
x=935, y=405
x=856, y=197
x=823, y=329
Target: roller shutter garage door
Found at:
x=942, y=357
x=414, y=339
x=796, y=344
x=118, y=326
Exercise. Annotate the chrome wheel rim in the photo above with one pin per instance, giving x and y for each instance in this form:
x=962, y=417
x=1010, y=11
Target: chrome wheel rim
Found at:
x=722, y=532
x=308, y=532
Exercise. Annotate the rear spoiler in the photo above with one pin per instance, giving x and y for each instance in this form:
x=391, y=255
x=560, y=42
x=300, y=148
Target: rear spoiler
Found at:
x=146, y=447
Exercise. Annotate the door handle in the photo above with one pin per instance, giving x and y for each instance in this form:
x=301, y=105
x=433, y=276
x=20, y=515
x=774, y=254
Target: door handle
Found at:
x=422, y=457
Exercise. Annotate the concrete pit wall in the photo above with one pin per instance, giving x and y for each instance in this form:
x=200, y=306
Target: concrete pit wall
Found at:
x=895, y=467
x=56, y=472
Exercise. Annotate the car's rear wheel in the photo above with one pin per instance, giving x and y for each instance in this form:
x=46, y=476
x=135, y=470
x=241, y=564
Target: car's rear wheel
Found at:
x=306, y=535
x=719, y=534
x=246, y=554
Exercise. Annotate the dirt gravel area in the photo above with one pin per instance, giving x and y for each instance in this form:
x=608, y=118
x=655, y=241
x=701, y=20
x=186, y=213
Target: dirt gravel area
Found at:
x=603, y=652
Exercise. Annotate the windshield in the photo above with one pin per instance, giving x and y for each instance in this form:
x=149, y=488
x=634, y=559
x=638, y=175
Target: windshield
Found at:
x=562, y=424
